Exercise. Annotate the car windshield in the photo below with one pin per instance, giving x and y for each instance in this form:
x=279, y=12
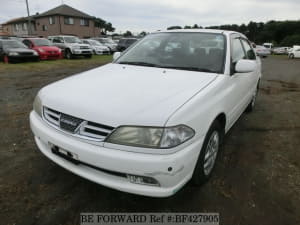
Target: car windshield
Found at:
x=13, y=44
x=41, y=42
x=107, y=40
x=93, y=42
x=72, y=40
x=131, y=41
x=194, y=51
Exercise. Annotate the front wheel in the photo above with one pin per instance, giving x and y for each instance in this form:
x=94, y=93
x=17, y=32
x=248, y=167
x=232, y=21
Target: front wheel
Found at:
x=208, y=154
x=291, y=56
x=68, y=54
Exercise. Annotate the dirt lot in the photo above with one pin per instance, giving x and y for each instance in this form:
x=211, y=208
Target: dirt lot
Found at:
x=257, y=179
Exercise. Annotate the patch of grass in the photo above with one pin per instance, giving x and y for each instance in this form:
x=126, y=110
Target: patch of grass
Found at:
x=55, y=64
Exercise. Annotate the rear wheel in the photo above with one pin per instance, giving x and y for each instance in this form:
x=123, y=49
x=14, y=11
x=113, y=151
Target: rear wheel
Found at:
x=208, y=154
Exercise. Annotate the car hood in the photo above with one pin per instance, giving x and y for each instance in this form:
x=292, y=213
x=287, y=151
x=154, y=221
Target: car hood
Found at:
x=117, y=94
x=48, y=48
x=19, y=50
x=77, y=44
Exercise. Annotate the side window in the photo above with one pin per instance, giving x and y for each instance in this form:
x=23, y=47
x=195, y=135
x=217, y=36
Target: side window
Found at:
x=249, y=51
x=237, y=50
x=27, y=43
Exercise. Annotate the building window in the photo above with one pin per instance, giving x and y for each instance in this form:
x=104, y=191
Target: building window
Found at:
x=24, y=26
x=84, y=22
x=16, y=27
x=45, y=28
x=51, y=20
x=69, y=20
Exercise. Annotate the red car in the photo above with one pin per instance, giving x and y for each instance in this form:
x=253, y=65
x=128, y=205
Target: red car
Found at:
x=44, y=48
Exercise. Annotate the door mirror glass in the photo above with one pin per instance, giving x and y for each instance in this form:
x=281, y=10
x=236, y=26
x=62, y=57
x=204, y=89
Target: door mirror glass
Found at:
x=245, y=66
x=116, y=55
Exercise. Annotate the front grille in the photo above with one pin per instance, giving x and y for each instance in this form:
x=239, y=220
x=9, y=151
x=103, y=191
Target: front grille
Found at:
x=76, y=126
x=25, y=53
x=84, y=47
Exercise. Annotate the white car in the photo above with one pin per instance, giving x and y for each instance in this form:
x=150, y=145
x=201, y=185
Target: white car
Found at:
x=262, y=51
x=108, y=43
x=71, y=45
x=148, y=123
x=294, y=52
x=98, y=48
x=281, y=50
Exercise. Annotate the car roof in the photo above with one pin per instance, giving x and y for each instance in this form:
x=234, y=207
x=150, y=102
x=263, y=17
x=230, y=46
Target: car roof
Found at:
x=214, y=31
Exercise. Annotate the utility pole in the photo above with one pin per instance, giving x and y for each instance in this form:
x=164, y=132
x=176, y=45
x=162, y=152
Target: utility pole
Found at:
x=29, y=22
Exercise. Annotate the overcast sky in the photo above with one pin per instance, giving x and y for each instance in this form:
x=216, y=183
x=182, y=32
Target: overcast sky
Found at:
x=151, y=15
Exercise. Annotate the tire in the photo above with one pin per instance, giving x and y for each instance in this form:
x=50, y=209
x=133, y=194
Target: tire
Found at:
x=291, y=56
x=68, y=54
x=88, y=56
x=209, y=151
x=251, y=105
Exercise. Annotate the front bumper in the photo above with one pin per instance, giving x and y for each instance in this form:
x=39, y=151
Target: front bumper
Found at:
x=22, y=58
x=50, y=56
x=82, y=51
x=118, y=161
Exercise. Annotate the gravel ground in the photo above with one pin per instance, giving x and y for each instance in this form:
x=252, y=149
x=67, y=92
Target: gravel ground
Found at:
x=256, y=180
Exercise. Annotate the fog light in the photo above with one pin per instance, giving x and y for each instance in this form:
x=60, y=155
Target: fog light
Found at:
x=142, y=180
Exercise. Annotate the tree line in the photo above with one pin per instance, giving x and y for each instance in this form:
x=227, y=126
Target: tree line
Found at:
x=280, y=33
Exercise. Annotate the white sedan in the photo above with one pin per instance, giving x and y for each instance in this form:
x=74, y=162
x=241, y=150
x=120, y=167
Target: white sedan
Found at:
x=154, y=118
x=98, y=48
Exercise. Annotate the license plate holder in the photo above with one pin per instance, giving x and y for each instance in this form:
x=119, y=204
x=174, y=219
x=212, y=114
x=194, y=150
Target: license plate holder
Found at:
x=63, y=153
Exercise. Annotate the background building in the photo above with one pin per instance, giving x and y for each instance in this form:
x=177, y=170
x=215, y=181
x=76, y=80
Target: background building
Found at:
x=63, y=20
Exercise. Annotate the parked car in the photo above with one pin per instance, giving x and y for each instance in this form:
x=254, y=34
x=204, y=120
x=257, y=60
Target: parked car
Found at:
x=72, y=46
x=281, y=50
x=268, y=46
x=294, y=52
x=98, y=48
x=107, y=42
x=262, y=51
x=44, y=48
x=124, y=43
x=4, y=38
x=15, y=51
x=148, y=123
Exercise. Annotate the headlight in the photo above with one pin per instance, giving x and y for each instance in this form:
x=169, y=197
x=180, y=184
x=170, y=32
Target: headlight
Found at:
x=41, y=50
x=37, y=105
x=13, y=53
x=35, y=53
x=151, y=137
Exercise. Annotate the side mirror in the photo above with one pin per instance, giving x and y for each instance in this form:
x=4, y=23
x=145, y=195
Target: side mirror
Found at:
x=116, y=55
x=245, y=66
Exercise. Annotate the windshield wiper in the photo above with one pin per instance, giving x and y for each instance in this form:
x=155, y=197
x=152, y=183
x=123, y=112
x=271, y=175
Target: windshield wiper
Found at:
x=140, y=64
x=190, y=69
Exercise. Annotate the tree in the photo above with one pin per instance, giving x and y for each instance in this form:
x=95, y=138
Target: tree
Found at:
x=187, y=27
x=143, y=33
x=108, y=28
x=127, y=34
x=174, y=28
x=195, y=26
x=103, y=26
